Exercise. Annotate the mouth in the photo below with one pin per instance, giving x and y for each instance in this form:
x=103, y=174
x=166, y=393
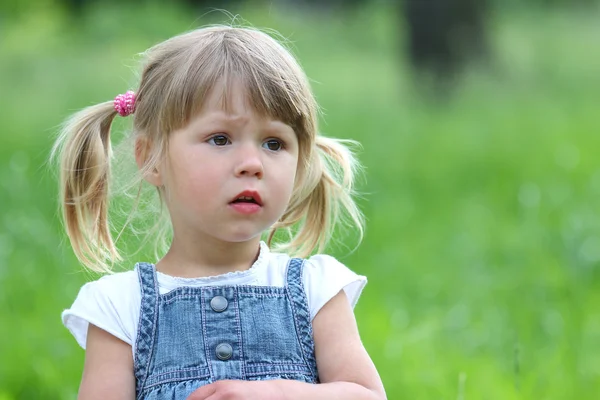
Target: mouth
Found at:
x=248, y=197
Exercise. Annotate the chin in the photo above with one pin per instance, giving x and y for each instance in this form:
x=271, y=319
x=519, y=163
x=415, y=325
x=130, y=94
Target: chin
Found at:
x=242, y=232
x=240, y=237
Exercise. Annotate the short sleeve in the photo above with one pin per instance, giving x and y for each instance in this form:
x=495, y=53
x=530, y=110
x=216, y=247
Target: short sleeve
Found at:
x=324, y=277
x=108, y=303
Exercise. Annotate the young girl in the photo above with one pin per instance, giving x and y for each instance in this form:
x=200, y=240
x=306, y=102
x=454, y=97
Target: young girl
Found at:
x=225, y=128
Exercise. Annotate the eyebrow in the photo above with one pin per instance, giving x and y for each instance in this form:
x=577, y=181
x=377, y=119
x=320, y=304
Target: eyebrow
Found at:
x=280, y=127
x=269, y=122
x=229, y=118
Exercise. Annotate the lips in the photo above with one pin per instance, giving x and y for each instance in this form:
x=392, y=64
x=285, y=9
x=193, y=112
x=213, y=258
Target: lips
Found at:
x=249, y=197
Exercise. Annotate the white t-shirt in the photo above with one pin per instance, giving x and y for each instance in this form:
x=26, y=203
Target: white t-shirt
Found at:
x=112, y=303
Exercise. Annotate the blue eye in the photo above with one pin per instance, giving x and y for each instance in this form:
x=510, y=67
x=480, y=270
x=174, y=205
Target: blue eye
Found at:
x=273, y=144
x=219, y=140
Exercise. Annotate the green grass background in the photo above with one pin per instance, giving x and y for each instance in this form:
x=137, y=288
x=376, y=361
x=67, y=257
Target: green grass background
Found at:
x=483, y=239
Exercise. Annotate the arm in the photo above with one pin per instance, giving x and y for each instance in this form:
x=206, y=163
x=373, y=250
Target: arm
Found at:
x=108, y=368
x=345, y=369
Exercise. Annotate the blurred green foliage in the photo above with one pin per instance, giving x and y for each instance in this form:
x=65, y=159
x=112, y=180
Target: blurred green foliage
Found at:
x=483, y=239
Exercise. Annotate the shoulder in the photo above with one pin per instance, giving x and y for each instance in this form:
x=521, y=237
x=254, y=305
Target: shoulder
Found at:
x=323, y=277
x=115, y=282
x=117, y=287
x=109, y=303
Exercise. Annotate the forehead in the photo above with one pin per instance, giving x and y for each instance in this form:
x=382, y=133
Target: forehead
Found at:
x=233, y=98
x=229, y=95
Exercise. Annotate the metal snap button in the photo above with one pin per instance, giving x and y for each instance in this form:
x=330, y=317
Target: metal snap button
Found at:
x=224, y=351
x=219, y=303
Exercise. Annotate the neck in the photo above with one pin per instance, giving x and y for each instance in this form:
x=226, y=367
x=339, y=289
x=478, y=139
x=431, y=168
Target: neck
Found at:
x=208, y=257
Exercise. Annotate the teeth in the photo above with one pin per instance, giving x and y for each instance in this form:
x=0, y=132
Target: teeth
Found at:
x=245, y=198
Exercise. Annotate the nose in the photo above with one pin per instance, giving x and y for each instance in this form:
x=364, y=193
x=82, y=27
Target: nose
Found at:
x=250, y=163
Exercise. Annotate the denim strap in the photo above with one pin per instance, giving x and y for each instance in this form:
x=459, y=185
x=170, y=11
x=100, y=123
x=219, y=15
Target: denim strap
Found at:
x=144, y=344
x=299, y=303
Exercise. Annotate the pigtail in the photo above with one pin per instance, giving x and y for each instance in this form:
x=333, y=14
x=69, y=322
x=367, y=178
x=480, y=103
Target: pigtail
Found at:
x=84, y=151
x=323, y=200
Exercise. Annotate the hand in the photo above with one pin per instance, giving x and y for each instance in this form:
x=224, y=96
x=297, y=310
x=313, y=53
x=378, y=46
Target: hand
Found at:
x=238, y=390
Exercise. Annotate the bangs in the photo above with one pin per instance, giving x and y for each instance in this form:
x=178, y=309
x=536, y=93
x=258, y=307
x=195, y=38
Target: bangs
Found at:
x=273, y=82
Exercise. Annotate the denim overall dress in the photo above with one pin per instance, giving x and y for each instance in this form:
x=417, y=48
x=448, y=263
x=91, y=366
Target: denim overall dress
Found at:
x=192, y=336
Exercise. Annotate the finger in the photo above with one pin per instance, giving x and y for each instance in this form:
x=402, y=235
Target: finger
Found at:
x=203, y=392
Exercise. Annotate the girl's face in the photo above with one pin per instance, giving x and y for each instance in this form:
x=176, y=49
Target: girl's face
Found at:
x=228, y=175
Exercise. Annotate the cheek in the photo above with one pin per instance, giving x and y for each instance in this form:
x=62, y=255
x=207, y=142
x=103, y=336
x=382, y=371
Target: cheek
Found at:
x=200, y=180
x=289, y=174
x=294, y=169
x=184, y=176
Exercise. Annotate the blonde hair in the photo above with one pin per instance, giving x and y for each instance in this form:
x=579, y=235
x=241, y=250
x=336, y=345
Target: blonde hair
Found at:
x=177, y=76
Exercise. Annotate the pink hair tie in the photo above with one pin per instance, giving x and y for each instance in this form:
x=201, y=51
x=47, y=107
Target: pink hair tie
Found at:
x=125, y=103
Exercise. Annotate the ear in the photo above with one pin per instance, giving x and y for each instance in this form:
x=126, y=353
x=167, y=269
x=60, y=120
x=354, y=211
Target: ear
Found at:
x=143, y=150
